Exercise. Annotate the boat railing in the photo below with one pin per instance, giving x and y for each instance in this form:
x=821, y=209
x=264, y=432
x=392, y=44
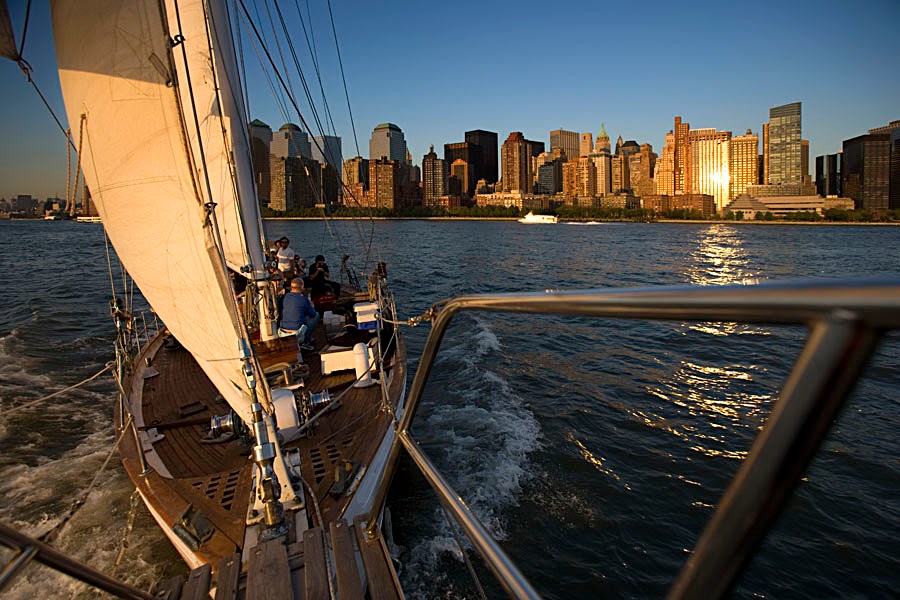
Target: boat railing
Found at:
x=27, y=549
x=845, y=321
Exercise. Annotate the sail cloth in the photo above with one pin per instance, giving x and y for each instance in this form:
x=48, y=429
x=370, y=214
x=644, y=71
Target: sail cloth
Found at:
x=115, y=67
x=7, y=38
x=207, y=70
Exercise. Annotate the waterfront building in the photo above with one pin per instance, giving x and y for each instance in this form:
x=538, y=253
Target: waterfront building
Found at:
x=434, y=178
x=387, y=142
x=682, y=171
x=515, y=161
x=894, y=189
x=743, y=164
x=603, y=171
x=567, y=141
x=828, y=175
x=585, y=178
x=260, y=140
x=326, y=149
x=664, y=173
x=484, y=166
x=290, y=142
x=550, y=177
x=296, y=182
x=804, y=161
x=710, y=159
x=384, y=183
x=602, y=142
x=865, y=170
x=569, y=178
x=461, y=171
x=764, y=171
x=620, y=178
x=587, y=144
x=747, y=205
x=785, y=147
x=356, y=170
x=468, y=152
x=640, y=170
x=782, y=189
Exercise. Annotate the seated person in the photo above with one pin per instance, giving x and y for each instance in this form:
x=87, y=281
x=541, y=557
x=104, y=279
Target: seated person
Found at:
x=318, y=274
x=298, y=317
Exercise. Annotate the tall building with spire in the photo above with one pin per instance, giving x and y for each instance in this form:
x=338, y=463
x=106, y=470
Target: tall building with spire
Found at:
x=388, y=142
x=785, y=153
x=602, y=142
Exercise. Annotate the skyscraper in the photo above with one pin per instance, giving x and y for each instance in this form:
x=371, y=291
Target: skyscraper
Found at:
x=434, y=178
x=384, y=183
x=387, y=142
x=567, y=141
x=461, y=172
x=743, y=163
x=764, y=179
x=664, y=174
x=828, y=175
x=515, y=163
x=327, y=150
x=710, y=159
x=260, y=140
x=486, y=168
x=602, y=140
x=640, y=167
x=894, y=190
x=804, y=161
x=682, y=171
x=784, y=144
x=865, y=170
x=587, y=144
x=602, y=170
x=290, y=142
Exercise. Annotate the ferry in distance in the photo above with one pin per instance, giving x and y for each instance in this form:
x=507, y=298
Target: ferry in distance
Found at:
x=532, y=218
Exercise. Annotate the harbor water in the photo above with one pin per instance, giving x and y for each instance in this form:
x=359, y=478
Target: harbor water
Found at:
x=594, y=450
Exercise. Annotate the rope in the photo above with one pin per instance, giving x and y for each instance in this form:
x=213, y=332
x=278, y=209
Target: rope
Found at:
x=25, y=27
x=129, y=526
x=68, y=167
x=428, y=315
x=77, y=165
x=344, y=79
x=51, y=535
x=27, y=405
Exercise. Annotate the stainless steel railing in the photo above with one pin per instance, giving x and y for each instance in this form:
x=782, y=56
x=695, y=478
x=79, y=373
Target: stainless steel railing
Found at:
x=845, y=319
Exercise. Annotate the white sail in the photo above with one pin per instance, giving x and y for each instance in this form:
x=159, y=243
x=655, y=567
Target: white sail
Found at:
x=116, y=67
x=209, y=83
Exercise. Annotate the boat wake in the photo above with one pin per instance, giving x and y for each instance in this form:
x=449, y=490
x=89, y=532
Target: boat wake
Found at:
x=480, y=436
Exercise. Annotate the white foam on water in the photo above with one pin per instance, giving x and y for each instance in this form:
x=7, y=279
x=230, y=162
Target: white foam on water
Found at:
x=480, y=438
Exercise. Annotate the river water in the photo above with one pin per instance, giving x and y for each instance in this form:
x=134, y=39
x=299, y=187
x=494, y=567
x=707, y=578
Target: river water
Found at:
x=595, y=450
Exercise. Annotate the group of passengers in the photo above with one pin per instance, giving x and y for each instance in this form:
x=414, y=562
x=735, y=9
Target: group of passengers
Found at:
x=296, y=313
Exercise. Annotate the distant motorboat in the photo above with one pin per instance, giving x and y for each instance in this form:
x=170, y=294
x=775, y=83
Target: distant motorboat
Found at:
x=532, y=218
x=88, y=219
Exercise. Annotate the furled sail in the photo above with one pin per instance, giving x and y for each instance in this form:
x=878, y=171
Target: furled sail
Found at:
x=117, y=67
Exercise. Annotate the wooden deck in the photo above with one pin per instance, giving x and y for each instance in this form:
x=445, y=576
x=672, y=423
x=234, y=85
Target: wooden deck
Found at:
x=278, y=571
x=210, y=485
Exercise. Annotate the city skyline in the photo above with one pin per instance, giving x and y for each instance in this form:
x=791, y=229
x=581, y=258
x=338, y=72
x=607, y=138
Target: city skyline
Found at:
x=728, y=85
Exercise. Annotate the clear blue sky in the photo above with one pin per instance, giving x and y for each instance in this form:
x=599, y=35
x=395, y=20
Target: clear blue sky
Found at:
x=438, y=69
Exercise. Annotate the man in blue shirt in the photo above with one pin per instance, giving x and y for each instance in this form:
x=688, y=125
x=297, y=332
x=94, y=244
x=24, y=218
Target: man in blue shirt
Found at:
x=298, y=316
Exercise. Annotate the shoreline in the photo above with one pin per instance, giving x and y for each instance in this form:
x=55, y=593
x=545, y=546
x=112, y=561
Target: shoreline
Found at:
x=666, y=221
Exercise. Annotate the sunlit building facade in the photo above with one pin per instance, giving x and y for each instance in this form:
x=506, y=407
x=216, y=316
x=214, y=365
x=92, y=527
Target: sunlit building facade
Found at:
x=744, y=163
x=664, y=173
x=587, y=143
x=710, y=158
x=515, y=161
x=682, y=170
x=388, y=142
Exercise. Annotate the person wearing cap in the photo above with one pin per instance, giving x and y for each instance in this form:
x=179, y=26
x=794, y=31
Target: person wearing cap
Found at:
x=286, y=257
x=298, y=316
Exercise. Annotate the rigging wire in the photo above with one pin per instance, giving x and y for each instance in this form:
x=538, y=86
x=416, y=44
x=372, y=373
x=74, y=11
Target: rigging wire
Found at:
x=344, y=79
x=28, y=405
x=25, y=27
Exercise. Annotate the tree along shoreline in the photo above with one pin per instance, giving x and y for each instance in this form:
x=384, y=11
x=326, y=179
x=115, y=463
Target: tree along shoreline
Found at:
x=581, y=214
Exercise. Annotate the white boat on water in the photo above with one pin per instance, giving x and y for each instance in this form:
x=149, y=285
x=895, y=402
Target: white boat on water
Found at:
x=534, y=219
x=88, y=220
